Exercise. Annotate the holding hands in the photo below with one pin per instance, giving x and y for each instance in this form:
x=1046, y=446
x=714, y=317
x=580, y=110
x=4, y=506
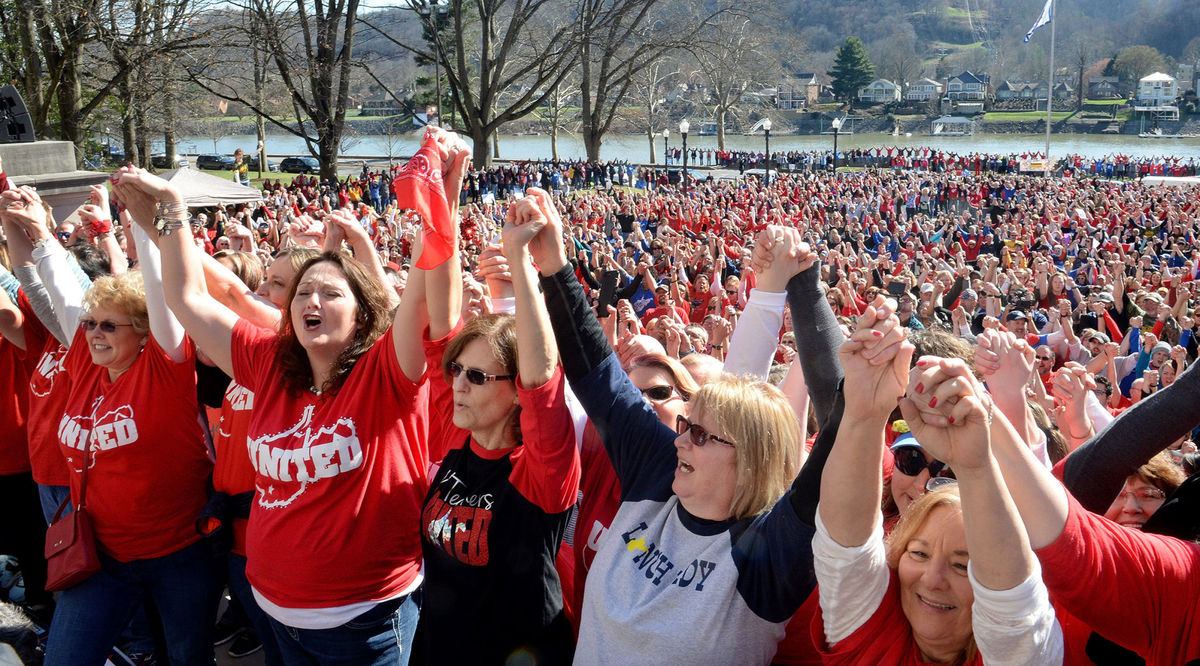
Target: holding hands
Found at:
x=779, y=253
x=948, y=411
x=23, y=207
x=875, y=359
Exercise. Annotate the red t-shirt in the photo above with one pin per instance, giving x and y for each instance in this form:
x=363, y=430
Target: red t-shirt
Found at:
x=149, y=466
x=232, y=473
x=601, y=497
x=340, y=478
x=48, y=389
x=14, y=407
x=886, y=638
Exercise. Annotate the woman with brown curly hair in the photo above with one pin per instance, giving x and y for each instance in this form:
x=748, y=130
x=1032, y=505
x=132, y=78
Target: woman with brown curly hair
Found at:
x=338, y=437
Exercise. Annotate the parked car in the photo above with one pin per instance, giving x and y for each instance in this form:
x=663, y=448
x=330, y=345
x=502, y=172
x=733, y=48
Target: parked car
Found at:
x=252, y=163
x=160, y=161
x=214, y=162
x=300, y=165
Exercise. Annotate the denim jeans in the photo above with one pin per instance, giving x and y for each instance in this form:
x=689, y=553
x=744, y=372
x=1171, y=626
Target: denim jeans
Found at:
x=52, y=497
x=382, y=635
x=239, y=587
x=185, y=586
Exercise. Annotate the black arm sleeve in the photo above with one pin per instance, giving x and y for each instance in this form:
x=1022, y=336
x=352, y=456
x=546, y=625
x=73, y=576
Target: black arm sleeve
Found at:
x=817, y=339
x=1095, y=472
x=956, y=290
x=630, y=289
x=581, y=342
x=589, y=276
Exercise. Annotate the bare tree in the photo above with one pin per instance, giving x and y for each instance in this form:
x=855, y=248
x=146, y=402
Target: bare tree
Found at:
x=72, y=56
x=731, y=55
x=620, y=38
x=648, y=89
x=311, y=46
x=898, y=60
x=501, y=58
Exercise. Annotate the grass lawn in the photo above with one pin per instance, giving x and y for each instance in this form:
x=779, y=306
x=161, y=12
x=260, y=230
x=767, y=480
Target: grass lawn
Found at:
x=255, y=182
x=1019, y=116
x=1105, y=103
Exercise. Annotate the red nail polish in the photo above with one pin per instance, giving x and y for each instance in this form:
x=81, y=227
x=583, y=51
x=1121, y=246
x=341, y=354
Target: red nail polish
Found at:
x=951, y=419
x=920, y=388
x=933, y=401
x=922, y=363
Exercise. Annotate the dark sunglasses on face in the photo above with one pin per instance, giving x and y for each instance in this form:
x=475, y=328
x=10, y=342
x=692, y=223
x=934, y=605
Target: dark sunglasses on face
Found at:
x=105, y=326
x=475, y=376
x=658, y=393
x=910, y=461
x=699, y=435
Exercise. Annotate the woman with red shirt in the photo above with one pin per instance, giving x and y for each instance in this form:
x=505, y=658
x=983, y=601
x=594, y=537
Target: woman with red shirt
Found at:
x=130, y=418
x=341, y=453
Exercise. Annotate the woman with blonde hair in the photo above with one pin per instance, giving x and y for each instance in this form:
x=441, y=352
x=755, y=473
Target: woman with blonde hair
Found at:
x=709, y=534
x=958, y=582
x=131, y=421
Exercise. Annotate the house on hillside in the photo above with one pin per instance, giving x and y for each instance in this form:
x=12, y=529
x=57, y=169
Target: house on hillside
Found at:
x=1157, y=89
x=923, y=90
x=799, y=93
x=1104, y=87
x=880, y=91
x=1015, y=90
x=967, y=87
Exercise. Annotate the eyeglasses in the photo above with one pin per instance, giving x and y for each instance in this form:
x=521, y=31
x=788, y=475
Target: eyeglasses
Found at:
x=910, y=461
x=731, y=292
x=475, y=376
x=105, y=326
x=1142, y=495
x=699, y=435
x=658, y=393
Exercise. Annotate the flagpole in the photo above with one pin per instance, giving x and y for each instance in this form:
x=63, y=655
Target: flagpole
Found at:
x=1050, y=90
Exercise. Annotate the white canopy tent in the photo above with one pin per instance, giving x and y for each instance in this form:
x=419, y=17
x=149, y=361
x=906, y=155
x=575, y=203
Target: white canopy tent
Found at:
x=202, y=190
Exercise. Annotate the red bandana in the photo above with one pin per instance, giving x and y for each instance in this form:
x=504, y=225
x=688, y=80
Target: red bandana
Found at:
x=419, y=187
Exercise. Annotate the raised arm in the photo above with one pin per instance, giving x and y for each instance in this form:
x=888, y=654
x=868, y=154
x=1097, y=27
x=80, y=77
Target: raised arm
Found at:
x=875, y=359
x=753, y=342
x=24, y=208
x=165, y=328
x=951, y=415
x=536, y=353
x=209, y=323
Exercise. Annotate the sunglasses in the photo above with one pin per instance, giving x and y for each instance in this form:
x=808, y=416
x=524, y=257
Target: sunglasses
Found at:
x=910, y=461
x=700, y=436
x=658, y=393
x=475, y=376
x=105, y=326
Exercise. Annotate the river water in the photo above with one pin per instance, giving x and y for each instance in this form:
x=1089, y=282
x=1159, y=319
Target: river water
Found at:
x=636, y=148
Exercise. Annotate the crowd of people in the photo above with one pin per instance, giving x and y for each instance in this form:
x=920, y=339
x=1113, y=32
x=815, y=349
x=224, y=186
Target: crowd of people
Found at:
x=934, y=411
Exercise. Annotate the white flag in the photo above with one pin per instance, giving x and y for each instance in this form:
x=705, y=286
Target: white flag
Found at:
x=1042, y=20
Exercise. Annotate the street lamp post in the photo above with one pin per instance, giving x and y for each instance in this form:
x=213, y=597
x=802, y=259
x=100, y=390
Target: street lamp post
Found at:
x=684, y=126
x=766, y=125
x=666, y=135
x=837, y=127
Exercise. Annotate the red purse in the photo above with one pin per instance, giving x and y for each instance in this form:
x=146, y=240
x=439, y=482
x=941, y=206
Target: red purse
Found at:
x=70, y=544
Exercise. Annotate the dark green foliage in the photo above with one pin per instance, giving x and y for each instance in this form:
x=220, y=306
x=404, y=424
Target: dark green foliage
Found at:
x=852, y=69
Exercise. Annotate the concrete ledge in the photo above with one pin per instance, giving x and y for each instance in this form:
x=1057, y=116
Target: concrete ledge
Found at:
x=38, y=157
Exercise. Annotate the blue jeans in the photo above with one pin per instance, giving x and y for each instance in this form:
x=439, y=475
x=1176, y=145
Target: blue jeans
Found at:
x=239, y=587
x=382, y=635
x=185, y=585
x=52, y=497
